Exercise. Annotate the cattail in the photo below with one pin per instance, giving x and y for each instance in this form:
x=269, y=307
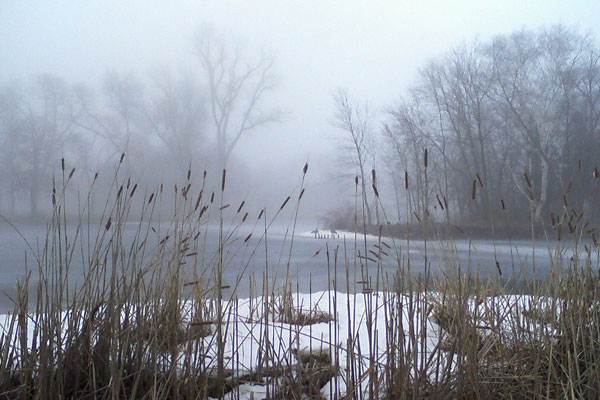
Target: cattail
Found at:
x=356, y=180
x=284, y=203
x=244, y=218
x=406, y=180
x=95, y=176
x=240, y=207
x=202, y=211
x=248, y=237
x=366, y=258
x=212, y=197
x=301, y=194
x=151, y=197
x=119, y=192
x=128, y=182
x=189, y=174
x=108, y=223
x=133, y=190
x=375, y=190
x=502, y=203
x=375, y=254
x=224, y=207
x=122, y=157
x=439, y=201
x=317, y=253
x=186, y=190
x=498, y=268
x=385, y=244
x=62, y=163
x=71, y=173
x=305, y=168
x=474, y=189
x=223, y=180
x=198, y=201
x=260, y=214
x=381, y=251
x=425, y=159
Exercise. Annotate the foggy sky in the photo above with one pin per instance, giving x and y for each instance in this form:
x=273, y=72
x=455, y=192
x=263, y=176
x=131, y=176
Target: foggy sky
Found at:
x=372, y=48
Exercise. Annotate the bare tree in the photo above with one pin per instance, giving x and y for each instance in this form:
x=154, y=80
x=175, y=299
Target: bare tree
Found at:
x=39, y=127
x=11, y=138
x=535, y=88
x=515, y=119
x=353, y=119
x=117, y=117
x=176, y=115
x=407, y=139
x=457, y=91
x=237, y=88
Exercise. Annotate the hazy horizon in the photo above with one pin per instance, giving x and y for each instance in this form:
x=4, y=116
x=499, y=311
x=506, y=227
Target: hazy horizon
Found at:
x=373, y=49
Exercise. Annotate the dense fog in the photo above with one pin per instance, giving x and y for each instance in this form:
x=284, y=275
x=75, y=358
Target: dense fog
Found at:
x=414, y=110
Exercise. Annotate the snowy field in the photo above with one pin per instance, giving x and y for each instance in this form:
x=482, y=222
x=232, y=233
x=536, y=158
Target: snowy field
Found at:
x=351, y=333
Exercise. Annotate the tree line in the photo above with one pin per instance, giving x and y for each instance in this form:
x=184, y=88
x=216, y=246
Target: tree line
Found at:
x=511, y=123
x=164, y=123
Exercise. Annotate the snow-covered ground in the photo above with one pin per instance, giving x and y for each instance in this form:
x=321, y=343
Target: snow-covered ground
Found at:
x=356, y=337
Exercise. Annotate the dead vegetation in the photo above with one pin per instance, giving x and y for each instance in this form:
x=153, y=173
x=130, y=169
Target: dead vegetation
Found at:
x=141, y=326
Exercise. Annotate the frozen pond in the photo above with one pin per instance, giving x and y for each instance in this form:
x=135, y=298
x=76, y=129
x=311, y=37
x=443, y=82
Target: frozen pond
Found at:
x=309, y=268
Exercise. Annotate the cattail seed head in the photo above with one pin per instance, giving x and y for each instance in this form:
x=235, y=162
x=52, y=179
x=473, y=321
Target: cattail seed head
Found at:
x=241, y=206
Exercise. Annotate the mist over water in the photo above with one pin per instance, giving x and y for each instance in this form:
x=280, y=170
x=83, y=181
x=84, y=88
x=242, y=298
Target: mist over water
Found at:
x=402, y=113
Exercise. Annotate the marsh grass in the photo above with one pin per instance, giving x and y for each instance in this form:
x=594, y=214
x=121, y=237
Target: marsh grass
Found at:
x=152, y=317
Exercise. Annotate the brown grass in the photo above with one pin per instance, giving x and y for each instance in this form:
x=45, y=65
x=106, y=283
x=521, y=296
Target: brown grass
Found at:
x=140, y=326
